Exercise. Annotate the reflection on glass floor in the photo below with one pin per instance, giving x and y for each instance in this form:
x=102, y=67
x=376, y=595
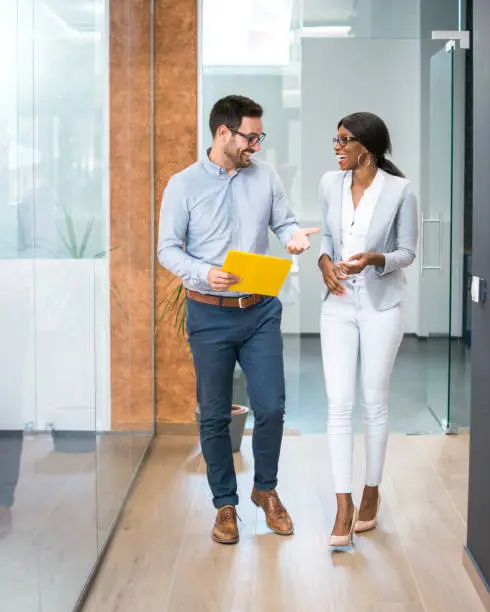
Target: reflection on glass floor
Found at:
x=419, y=379
x=65, y=504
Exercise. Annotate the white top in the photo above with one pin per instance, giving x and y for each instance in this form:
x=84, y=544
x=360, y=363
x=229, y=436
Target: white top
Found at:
x=355, y=222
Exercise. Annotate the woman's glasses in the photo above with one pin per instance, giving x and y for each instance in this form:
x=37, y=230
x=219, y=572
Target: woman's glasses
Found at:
x=343, y=140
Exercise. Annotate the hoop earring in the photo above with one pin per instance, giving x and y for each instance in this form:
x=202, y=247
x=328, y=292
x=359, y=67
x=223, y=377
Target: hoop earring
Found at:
x=363, y=165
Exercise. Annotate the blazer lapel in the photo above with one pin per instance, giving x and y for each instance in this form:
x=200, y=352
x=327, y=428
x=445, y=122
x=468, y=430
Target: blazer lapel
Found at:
x=383, y=211
x=335, y=211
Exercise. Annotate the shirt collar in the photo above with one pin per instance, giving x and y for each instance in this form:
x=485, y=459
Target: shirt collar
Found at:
x=214, y=169
x=377, y=181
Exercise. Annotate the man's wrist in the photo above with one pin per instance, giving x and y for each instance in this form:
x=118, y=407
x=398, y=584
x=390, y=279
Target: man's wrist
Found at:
x=203, y=272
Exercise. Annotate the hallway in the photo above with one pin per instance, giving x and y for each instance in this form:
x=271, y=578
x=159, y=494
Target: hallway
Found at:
x=162, y=557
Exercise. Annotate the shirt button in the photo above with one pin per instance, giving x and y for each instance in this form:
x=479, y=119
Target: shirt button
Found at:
x=353, y=281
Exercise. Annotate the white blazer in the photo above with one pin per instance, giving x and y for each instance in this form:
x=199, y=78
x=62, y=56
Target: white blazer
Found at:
x=393, y=231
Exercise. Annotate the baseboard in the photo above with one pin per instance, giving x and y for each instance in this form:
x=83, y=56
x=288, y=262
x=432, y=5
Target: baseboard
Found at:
x=191, y=429
x=481, y=586
x=301, y=334
x=406, y=335
x=177, y=429
x=287, y=432
x=145, y=426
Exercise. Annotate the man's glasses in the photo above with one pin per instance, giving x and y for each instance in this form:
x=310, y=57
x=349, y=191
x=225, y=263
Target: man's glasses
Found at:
x=252, y=139
x=343, y=140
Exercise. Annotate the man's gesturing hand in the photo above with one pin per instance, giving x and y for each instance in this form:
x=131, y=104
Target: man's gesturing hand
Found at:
x=221, y=281
x=300, y=241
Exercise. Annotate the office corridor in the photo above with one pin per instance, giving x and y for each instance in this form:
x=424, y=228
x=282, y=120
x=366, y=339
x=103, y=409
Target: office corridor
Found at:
x=162, y=557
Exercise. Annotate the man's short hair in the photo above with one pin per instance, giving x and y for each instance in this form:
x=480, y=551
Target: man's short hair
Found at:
x=231, y=110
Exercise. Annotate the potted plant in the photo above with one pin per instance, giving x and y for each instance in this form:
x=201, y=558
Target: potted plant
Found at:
x=173, y=307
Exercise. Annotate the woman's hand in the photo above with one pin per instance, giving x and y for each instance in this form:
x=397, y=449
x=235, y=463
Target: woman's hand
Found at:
x=357, y=263
x=332, y=276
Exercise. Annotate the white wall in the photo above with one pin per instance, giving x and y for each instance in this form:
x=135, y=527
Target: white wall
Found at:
x=55, y=349
x=17, y=371
x=367, y=18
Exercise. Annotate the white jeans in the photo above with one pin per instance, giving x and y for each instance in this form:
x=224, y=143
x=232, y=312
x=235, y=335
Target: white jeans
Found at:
x=352, y=328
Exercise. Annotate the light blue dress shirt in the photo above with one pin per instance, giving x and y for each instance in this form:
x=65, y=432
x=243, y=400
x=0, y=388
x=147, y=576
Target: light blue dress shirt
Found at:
x=206, y=212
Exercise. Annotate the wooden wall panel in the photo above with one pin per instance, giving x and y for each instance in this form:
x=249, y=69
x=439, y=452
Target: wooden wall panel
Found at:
x=176, y=73
x=130, y=214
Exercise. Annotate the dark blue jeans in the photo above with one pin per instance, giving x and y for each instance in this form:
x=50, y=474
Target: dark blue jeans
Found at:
x=219, y=337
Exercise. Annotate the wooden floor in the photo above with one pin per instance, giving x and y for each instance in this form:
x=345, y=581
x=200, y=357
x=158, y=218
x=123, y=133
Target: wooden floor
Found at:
x=162, y=557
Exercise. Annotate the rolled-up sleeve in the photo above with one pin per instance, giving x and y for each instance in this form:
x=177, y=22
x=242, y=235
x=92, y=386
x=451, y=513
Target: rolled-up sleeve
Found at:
x=406, y=235
x=172, y=235
x=283, y=222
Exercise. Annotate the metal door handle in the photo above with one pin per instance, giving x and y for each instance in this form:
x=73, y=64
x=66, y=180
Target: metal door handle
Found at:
x=422, y=244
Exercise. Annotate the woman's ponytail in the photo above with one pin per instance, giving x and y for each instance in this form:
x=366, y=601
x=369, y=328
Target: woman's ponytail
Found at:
x=389, y=167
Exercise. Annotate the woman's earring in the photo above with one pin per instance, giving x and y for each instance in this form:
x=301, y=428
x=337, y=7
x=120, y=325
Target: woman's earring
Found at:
x=364, y=165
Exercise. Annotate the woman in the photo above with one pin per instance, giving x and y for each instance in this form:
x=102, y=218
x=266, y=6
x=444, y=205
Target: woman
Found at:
x=370, y=234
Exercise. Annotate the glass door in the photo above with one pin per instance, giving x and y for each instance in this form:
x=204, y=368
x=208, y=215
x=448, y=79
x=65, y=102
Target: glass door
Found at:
x=435, y=235
x=440, y=314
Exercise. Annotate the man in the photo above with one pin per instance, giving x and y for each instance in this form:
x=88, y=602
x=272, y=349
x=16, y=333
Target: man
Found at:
x=229, y=201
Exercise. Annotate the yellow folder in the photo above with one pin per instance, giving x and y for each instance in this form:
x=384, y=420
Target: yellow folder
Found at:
x=259, y=274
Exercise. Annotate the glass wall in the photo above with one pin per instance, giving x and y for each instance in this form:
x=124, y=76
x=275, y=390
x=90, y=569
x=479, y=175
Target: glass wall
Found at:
x=309, y=63
x=66, y=463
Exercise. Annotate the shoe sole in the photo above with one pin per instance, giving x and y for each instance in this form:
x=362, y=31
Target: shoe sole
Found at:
x=280, y=533
x=364, y=529
x=225, y=542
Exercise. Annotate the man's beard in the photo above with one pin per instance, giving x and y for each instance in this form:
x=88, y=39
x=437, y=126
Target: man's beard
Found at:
x=240, y=159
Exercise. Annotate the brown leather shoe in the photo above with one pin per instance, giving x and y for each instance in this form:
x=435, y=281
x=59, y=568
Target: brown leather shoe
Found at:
x=276, y=515
x=225, y=530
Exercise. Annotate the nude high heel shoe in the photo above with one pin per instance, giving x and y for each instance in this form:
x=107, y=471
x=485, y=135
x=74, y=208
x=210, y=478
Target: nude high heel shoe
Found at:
x=362, y=526
x=343, y=542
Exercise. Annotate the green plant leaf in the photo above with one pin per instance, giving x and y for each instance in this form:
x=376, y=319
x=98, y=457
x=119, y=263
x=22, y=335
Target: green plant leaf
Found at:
x=174, y=303
x=167, y=307
x=182, y=326
x=72, y=236
x=102, y=254
x=119, y=300
x=66, y=243
x=86, y=238
x=180, y=314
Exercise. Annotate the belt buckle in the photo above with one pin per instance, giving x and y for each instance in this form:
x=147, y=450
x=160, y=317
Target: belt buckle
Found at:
x=240, y=302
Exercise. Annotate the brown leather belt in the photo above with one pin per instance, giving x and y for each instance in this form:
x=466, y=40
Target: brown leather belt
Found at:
x=216, y=300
